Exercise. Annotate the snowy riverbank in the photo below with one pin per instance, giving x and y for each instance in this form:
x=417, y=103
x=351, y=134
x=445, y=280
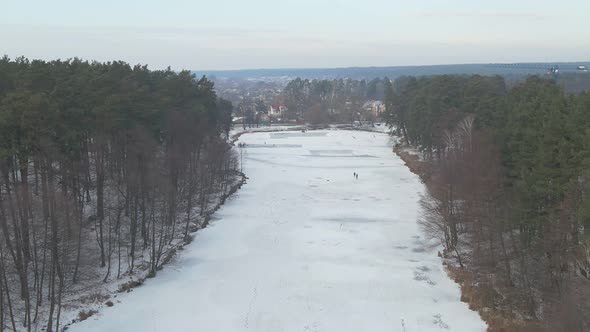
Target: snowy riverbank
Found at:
x=305, y=247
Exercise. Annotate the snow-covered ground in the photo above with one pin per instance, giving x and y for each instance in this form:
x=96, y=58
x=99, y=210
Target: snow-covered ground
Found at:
x=304, y=246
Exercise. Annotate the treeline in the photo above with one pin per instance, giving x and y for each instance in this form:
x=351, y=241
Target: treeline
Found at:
x=339, y=100
x=252, y=111
x=507, y=191
x=102, y=167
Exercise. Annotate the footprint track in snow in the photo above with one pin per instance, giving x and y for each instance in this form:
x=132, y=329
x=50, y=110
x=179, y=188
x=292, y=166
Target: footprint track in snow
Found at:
x=252, y=300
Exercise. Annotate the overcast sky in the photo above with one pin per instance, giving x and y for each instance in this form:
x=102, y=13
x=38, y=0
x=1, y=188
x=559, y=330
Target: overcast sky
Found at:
x=237, y=34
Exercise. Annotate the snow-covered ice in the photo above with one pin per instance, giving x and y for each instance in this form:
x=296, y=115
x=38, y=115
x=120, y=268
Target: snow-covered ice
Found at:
x=304, y=246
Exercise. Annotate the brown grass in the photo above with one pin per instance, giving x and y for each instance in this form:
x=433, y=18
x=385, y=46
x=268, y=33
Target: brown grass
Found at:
x=94, y=298
x=129, y=285
x=84, y=315
x=483, y=297
x=413, y=162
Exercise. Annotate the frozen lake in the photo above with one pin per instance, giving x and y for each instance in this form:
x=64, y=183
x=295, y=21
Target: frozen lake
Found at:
x=304, y=246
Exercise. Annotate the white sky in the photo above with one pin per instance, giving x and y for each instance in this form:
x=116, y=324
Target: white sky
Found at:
x=236, y=34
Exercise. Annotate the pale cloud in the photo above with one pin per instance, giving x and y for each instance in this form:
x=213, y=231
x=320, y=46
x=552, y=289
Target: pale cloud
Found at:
x=229, y=34
x=473, y=14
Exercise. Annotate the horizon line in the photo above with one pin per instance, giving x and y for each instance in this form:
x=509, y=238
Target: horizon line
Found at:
x=392, y=66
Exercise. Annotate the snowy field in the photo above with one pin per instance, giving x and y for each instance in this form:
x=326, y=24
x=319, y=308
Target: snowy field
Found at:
x=304, y=246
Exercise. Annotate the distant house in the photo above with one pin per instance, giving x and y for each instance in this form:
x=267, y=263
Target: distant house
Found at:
x=277, y=110
x=376, y=107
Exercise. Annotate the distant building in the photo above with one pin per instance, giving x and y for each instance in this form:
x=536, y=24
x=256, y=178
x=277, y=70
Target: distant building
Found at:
x=277, y=110
x=273, y=110
x=376, y=107
x=333, y=111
